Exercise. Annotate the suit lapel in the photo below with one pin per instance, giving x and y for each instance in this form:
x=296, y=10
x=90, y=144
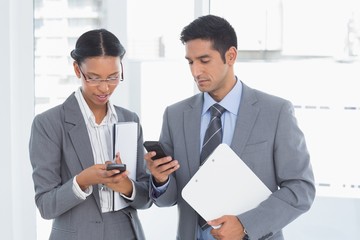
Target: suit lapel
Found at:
x=192, y=118
x=247, y=115
x=78, y=134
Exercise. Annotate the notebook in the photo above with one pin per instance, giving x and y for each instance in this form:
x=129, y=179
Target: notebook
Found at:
x=125, y=135
x=224, y=185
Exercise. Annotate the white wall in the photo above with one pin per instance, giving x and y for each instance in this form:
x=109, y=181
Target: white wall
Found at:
x=17, y=207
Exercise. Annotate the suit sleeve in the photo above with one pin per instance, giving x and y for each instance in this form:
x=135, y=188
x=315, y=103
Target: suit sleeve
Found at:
x=52, y=196
x=169, y=197
x=294, y=177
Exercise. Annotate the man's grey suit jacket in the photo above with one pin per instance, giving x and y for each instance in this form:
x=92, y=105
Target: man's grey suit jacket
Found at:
x=60, y=149
x=267, y=138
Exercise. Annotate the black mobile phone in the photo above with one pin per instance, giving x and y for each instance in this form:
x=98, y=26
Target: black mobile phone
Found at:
x=116, y=166
x=157, y=147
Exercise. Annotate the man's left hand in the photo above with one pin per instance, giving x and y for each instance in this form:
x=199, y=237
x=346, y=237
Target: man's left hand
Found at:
x=230, y=228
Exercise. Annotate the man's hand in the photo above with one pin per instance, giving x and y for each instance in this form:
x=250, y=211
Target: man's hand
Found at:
x=160, y=168
x=230, y=228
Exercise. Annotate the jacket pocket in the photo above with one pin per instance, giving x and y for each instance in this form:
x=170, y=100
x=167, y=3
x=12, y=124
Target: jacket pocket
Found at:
x=61, y=234
x=256, y=147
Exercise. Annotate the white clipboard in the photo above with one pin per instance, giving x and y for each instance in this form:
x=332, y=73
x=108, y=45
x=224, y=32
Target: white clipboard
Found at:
x=224, y=185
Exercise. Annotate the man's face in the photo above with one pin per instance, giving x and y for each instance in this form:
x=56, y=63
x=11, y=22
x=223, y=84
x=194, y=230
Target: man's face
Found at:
x=210, y=72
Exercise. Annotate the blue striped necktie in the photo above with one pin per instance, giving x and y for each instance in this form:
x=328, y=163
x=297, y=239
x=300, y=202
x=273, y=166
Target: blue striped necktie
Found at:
x=212, y=138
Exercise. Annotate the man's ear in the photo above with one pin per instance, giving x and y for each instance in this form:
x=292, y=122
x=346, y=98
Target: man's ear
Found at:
x=231, y=55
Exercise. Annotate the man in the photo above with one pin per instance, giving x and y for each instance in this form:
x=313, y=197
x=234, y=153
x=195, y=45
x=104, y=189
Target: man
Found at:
x=260, y=128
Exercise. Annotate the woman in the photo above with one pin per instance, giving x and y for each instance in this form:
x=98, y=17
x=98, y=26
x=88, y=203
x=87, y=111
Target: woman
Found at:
x=70, y=146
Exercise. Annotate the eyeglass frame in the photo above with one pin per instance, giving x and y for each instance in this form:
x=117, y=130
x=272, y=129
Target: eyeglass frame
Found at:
x=97, y=82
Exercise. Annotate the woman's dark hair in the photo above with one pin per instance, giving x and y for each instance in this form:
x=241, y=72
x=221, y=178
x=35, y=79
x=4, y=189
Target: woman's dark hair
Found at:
x=213, y=28
x=95, y=43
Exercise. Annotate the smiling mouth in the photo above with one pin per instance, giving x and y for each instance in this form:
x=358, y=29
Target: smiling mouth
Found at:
x=102, y=96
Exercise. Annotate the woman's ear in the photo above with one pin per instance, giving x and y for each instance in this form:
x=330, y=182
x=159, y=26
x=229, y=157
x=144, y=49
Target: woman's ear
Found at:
x=76, y=69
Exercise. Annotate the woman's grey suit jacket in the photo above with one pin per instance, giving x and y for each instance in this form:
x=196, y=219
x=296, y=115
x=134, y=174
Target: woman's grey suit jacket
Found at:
x=60, y=149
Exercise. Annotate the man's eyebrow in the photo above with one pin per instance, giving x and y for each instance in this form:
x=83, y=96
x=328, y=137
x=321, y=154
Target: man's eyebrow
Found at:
x=199, y=57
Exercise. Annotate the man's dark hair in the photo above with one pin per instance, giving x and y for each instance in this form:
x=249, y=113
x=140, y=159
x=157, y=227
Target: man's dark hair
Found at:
x=95, y=43
x=213, y=28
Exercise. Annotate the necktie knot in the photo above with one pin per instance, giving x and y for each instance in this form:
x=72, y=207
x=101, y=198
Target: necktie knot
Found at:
x=216, y=110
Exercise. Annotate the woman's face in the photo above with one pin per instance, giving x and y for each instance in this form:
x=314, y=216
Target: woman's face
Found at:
x=105, y=68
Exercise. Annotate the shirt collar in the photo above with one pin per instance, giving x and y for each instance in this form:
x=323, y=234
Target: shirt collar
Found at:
x=111, y=116
x=230, y=102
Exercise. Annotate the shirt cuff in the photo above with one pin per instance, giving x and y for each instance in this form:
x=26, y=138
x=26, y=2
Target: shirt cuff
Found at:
x=158, y=191
x=132, y=197
x=80, y=193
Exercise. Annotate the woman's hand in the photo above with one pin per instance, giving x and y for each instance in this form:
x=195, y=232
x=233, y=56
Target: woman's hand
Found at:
x=96, y=174
x=120, y=182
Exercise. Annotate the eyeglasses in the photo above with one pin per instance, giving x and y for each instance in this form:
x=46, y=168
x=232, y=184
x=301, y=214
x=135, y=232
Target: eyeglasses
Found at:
x=95, y=81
